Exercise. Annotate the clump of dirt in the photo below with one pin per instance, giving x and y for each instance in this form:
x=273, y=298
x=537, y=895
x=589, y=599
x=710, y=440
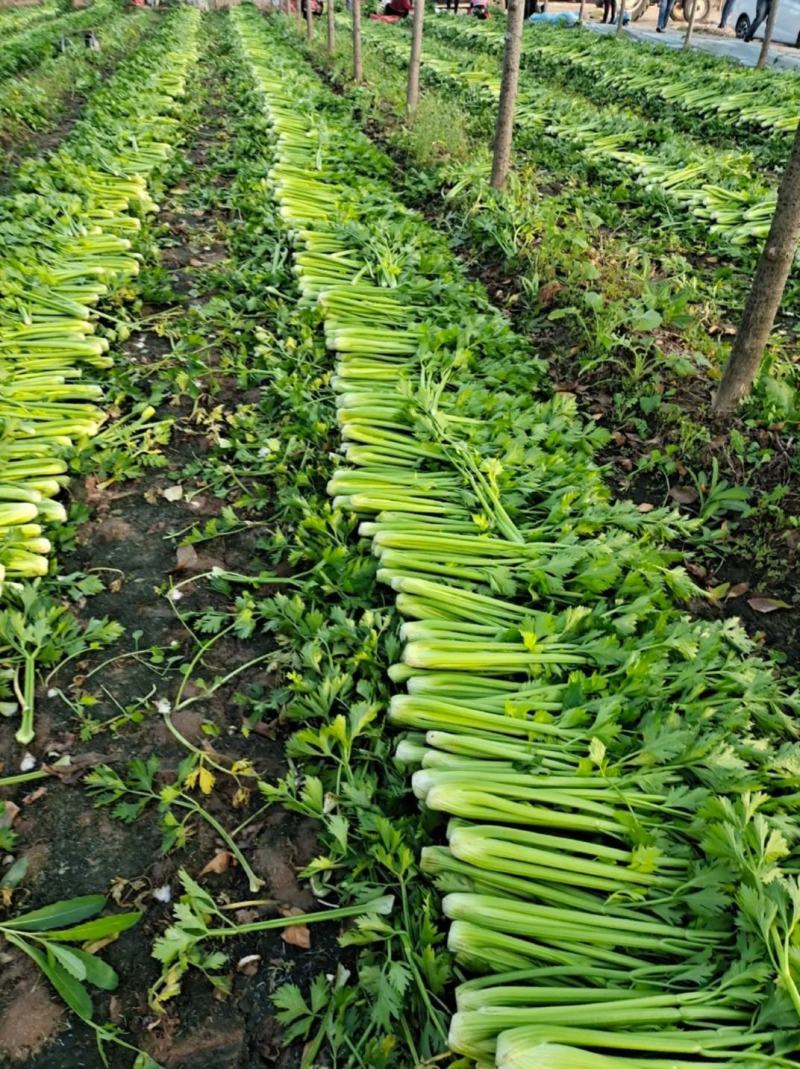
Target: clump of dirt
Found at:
x=29, y=1018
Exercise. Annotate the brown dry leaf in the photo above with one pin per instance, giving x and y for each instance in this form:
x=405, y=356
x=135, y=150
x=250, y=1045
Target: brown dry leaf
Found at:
x=186, y=559
x=195, y=262
x=767, y=604
x=547, y=293
x=172, y=493
x=72, y=772
x=645, y=506
x=8, y=814
x=297, y=935
x=34, y=796
x=115, y=585
x=218, y=864
x=738, y=589
x=684, y=495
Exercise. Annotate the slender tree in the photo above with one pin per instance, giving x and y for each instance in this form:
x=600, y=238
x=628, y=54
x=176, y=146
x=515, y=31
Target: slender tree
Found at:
x=764, y=299
x=309, y=20
x=501, y=161
x=621, y=17
x=298, y=10
x=412, y=94
x=687, y=40
x=582, y=12
x=331, y=29
x=763, y=55
x=358, y=67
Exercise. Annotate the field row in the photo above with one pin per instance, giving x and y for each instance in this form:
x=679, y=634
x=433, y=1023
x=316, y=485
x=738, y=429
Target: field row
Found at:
x=715, y=187
x=545, y=657
x=697, y=90
x=72, y=241
x=35, y=100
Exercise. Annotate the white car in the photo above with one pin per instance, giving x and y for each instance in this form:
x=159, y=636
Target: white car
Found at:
x=787, y=20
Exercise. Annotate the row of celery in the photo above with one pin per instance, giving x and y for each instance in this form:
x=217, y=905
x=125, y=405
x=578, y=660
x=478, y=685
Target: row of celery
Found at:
x=717, y=186
x=620, y=781
x=68, y=227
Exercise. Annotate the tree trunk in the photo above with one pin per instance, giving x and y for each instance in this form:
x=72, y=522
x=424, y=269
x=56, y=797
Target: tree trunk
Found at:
x=309, y=20
x=621, y=16
x=687, y=40
x=501, y=162
x=582, y=13
x=412, y=95
x=299, y=15
x=765, y=295
x=763, y=55
x=358, y=68
x=331, y=29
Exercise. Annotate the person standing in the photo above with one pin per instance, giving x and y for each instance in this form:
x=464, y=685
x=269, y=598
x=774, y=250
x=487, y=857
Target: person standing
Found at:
x=664, y=12
x=727, y=7
x=762, y=13
x=609, y=11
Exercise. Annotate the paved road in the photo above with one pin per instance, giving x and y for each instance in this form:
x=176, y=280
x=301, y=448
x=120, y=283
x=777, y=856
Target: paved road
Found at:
x=740, y=51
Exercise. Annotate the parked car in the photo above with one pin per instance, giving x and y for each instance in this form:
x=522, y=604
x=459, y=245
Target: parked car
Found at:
x=787, y=20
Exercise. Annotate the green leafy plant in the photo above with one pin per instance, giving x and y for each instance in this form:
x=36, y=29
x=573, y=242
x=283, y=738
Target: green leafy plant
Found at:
x=55, y=938
x=199, y=923
x=38, y=632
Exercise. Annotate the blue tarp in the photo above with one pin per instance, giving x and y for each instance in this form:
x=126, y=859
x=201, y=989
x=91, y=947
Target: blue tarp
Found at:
x=565, y=18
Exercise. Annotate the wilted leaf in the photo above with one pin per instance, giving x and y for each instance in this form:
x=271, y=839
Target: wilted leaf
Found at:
x=218, y=864
x=767, y=604
x=684, y=495
x=296, y=935
x=547, y=293
x=645, y=506
x=8, y=814
x=738, y=589
x=172, y=493
x=70, y=769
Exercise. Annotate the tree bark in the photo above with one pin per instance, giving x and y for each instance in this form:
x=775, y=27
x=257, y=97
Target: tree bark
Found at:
x=331, y=29
x=358, y=67
x=765, y=295
x=687, y=40
x=582, y=13
x=309, y=20
x=501, y=161
x=763, y=55
x=621, y=16
x=298, y=11
x=412, y=94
